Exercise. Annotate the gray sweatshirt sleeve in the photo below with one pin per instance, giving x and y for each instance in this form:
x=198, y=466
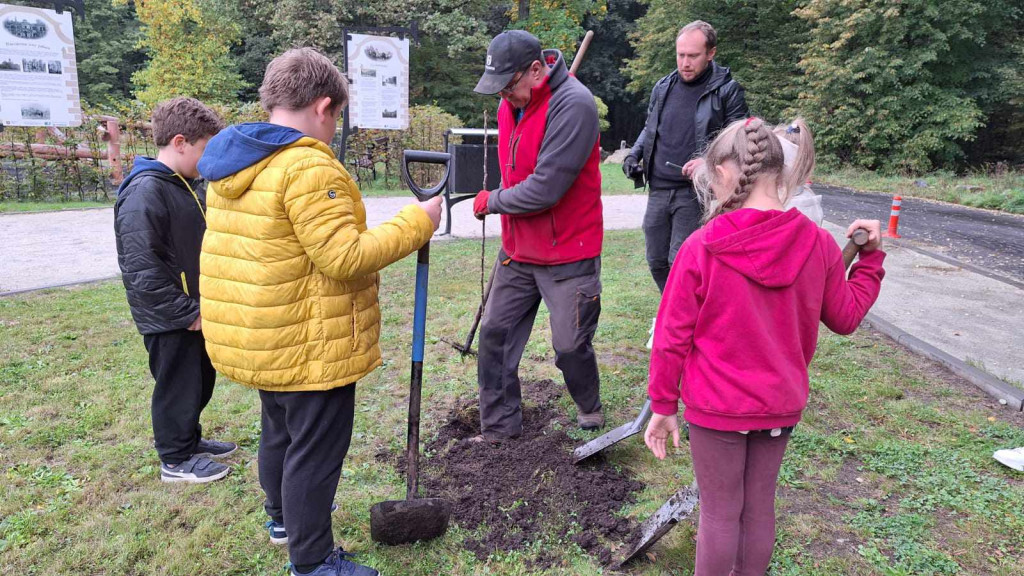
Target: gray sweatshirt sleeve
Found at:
x=572, y=130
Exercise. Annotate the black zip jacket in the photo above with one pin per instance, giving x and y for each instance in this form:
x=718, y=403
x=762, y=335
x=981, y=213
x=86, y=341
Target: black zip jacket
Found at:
x=159, y=228
x=722, y=103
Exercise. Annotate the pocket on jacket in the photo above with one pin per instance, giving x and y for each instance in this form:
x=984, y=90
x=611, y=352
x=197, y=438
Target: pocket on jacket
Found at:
x=355, y=327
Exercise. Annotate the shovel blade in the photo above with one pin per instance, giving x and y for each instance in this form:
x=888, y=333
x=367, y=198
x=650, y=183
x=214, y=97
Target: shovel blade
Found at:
x=678, y=507
x=395, y=522
x=617, y=435
x=601, y=442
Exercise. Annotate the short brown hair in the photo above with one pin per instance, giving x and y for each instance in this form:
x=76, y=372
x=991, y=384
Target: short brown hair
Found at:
x=710, y=36
x=298, y=77
x=186, y=116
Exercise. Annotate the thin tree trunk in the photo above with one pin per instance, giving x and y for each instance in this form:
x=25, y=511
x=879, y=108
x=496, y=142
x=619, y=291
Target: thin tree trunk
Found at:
x=524, y=11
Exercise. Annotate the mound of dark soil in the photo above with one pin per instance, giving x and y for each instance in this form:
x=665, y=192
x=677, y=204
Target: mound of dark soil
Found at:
x=527, y=487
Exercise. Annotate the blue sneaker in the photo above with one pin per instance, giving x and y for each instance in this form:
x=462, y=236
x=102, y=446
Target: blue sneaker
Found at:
x=337, y=564
x=278, y=536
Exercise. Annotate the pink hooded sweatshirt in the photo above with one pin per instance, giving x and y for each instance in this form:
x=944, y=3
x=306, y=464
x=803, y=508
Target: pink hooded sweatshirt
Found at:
x=738, y=323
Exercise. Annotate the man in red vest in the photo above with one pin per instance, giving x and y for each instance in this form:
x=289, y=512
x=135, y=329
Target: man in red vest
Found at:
x=551, y=230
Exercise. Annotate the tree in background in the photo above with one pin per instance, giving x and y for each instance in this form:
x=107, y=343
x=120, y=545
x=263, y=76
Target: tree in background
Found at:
x=995, y=64
x=758, y=41
x=602, y=71
x=188, y=42
x=885, y=83
x=558, y=23
x=106, y=43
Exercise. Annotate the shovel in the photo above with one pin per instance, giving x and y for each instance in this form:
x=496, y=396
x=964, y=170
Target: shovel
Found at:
x=682, y=503
x=396, y=522
x=614, y=436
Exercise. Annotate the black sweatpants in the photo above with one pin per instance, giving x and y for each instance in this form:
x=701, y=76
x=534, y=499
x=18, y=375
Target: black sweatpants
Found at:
x=184, y=384
x=304, y=441
x=671, y=216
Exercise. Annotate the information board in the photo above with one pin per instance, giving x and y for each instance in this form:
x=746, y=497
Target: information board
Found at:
x=38, y=71
x=378, y=67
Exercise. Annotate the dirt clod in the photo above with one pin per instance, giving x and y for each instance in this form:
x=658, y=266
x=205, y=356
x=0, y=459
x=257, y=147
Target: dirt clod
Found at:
x=528, y=488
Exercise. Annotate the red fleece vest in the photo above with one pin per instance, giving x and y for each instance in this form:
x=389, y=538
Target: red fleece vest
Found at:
x=572, y=229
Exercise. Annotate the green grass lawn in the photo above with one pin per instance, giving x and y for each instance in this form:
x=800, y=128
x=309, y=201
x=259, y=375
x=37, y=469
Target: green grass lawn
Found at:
x=889, y=473
x=14, y=207
x=996, y=192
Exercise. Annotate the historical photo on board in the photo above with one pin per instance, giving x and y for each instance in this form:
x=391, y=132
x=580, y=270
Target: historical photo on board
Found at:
x=33, y=65
x=23, y=28
x=35, y=112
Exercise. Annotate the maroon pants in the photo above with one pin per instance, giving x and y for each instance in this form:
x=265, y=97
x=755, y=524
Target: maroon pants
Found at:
x=736, y=475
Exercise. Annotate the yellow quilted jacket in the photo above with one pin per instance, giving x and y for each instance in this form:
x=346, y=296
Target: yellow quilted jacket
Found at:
x=289, y=269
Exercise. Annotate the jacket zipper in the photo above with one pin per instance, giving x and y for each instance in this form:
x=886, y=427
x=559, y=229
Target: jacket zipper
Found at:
x=554, y=234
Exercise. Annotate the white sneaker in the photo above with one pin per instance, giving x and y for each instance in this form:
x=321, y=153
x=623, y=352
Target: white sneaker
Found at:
x=1013, y=458
x=650, y=341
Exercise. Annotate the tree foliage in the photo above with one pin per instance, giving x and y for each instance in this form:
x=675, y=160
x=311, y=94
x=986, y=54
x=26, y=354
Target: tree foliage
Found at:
x=559, y=23
x=108, y=53
x=882, y=84
x=601, y=71
x=898, y=86
x=188, y=42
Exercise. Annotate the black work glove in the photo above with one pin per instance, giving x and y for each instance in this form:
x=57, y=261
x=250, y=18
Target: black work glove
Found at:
x=630, y=166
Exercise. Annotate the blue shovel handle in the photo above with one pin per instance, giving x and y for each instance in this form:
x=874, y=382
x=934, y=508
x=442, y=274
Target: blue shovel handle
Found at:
x=419, y=319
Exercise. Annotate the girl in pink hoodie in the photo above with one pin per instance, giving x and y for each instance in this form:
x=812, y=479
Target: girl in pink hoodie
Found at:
x=736, y=331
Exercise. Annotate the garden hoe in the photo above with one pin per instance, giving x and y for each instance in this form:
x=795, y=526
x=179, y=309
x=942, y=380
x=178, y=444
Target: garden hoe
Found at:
x=396, y=522
x=682, y=503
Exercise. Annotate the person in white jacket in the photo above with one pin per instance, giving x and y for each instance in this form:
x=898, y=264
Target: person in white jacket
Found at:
x=798, y=149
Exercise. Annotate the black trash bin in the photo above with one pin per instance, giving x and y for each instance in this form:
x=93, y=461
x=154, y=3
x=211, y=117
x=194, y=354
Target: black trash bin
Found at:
x=467, y=167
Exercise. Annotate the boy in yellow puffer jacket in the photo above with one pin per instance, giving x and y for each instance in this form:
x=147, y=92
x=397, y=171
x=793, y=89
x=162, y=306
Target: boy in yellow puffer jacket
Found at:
x=289, y=292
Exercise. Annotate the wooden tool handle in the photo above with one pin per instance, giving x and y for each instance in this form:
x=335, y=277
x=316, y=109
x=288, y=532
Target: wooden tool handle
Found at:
x=857, y=240
x=579, y=53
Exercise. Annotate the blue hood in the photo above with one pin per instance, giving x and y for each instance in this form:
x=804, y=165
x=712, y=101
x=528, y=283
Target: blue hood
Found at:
x=143, y=164
x=238, y=147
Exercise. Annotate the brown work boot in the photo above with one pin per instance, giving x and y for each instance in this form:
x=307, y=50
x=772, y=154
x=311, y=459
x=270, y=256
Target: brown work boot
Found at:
x=592, y=421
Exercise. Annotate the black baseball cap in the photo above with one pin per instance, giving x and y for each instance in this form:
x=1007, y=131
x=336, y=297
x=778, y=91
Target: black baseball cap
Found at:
x=509, y=52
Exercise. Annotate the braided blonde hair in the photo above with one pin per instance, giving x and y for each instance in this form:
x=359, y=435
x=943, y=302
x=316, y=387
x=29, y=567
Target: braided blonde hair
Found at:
x=752, y=146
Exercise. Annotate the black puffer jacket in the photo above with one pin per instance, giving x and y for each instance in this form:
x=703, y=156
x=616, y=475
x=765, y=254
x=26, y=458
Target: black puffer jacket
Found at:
x=722, y=103
x=159, y=228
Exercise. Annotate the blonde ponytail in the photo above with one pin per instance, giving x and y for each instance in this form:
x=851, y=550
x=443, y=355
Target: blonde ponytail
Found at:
x=799, y=170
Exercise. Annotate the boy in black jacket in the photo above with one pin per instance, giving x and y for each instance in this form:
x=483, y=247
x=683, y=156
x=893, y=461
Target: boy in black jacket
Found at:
x=159, y=221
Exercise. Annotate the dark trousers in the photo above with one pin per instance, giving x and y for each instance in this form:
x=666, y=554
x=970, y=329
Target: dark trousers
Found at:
x=572, y=294
x=304, y=441
x=184, y=384
x=671, y=216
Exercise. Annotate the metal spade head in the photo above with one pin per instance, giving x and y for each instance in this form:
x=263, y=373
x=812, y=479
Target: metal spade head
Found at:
x=678, y=508
x=395, y=522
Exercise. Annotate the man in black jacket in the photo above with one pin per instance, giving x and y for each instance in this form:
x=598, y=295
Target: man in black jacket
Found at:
x=159, y=221
x=687, y=108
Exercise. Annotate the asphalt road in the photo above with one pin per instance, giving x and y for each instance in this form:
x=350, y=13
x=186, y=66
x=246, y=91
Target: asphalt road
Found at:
x=990, y=240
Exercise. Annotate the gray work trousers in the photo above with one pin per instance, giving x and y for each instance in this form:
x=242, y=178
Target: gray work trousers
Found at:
x=671, y=216
x=572, y=294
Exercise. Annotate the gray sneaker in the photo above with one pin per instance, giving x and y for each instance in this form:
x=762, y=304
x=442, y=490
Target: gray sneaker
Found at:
x=214, y=449
x=592, y=421
x=195, y=470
